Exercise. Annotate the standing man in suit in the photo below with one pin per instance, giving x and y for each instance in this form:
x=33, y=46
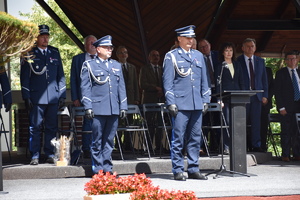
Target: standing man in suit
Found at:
x=211, y=58
x=255, y=77
x=151, y=84
x=44, y=92
x=211, y=61
x=104, y=99
x=130, y=77
x=187, y=94
x=5, y=96
x=151, y=81
x=77, y=61
x=287, y=95
x=132, y=87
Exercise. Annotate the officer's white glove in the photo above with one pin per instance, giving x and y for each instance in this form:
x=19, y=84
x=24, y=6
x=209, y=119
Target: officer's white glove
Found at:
x=28, y=104
x=122, y=114
x=173, y=110
x=89, y=114
x=205, y=108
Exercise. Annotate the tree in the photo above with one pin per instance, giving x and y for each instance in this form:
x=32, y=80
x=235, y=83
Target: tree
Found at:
x=16, y=36
x=58, y=38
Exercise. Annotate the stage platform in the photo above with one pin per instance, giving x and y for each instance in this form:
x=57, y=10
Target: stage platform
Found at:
x=19, y=167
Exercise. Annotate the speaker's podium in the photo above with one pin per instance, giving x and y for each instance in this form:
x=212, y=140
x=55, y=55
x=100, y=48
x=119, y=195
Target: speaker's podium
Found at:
x=238, y=153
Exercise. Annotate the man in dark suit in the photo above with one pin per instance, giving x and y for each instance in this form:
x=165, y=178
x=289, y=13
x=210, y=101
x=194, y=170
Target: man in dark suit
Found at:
x=187, y=94
x=130, y=77
x=104, y=99
x=44, y=91
x=77, y=61
x=287, y=97
x=132, y=87
x=255, y=77
x=151, y=81
x=212, y=62
x=152, y=92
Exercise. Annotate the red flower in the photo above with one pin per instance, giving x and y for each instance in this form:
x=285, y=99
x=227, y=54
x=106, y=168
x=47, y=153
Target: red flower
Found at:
x=139, y=185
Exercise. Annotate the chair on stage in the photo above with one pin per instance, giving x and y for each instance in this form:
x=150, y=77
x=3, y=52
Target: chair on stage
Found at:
x=77, y=117
x=5, y=132
x=160, y=114
x=64, y=122
x=137, y=130
x=274, y=120
x=214, y=107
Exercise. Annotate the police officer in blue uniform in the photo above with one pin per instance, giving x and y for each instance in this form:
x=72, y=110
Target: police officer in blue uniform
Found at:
x=187, y=94
x=44, y=91
x=104, y=99
x=75, y=81
x=5, y=97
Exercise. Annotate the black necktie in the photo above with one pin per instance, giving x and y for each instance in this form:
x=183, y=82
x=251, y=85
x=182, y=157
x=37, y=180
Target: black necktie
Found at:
x=252, y=75
x=156, y=74
x=296, y=86
x=125, y=73
x=44, y=52
x=92, y=56
x=210, y=71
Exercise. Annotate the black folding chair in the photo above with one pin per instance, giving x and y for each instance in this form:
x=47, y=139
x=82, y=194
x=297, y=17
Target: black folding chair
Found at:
x=4, y=131
x=214, y=107
x=162, y=113
x=273, y=118
x=137, y=126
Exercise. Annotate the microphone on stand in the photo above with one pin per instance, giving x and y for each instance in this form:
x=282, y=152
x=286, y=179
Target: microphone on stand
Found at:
x=224, y=65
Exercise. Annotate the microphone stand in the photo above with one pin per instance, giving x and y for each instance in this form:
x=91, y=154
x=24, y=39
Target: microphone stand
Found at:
x=222, y=170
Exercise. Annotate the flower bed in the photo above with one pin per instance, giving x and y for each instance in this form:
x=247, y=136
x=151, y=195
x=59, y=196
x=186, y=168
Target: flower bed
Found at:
x=140, y=187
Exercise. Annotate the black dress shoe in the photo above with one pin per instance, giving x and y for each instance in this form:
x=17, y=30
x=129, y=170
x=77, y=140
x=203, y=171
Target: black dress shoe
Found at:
x=179, y=177
x=34, y=161
x=226, y=151
x=50, y=160
x=197, y=175
x=111, y=173
x=86, y=154
x=257, y=149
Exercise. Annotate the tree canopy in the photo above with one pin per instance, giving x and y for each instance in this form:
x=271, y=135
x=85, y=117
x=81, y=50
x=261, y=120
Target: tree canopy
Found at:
x=16, y=37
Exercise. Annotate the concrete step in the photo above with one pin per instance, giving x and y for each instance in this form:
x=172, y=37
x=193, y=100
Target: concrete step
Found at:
x=19, y=168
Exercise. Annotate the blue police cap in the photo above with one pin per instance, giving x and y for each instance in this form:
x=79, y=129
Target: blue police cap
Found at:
x=104, y=41
x=187, y=31
x=44, y=29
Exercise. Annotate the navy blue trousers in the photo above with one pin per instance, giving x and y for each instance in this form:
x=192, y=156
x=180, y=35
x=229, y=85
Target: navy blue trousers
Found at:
x=186, y=132
x=41, y=112
x=104, y=129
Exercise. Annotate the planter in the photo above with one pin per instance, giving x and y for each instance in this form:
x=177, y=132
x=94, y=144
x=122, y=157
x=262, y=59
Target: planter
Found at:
x=123, y=196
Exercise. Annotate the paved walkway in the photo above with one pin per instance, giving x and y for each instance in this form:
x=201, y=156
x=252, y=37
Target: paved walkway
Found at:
x=273, y=178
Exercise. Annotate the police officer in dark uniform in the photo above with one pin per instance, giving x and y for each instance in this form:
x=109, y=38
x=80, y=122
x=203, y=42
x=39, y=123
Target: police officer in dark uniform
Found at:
x=104, y=99
x=187, y=94
x=44, y=91
x=6, y=90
